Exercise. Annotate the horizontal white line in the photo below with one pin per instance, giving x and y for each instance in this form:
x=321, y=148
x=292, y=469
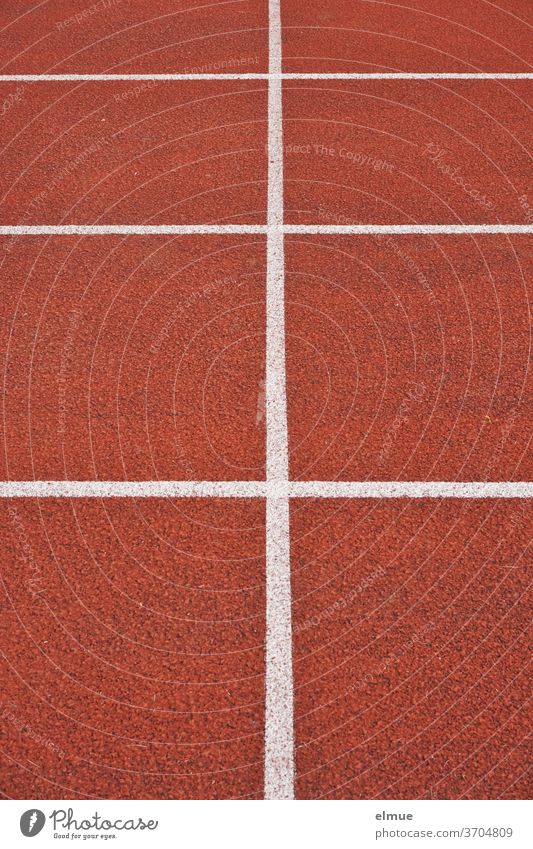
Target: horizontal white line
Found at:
x=392, y=229
x=409, y=489
x=265, y=76
x=408, y=76
x=262, y=489
x=129, y=229
x=132, y=489
x=74, y=78
x=231, y=229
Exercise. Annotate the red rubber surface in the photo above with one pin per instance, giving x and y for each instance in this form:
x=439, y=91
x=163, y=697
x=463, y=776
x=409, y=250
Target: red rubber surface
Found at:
x=134, y=153
x=407, y=152
x=133, y=634
x=130, y=37
x=133, y=631
x=133, y=358
x=443, y=36
x=411, y=645
x=409, y=358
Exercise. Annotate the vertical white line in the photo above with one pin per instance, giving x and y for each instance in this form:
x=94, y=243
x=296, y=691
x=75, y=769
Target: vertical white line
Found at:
x=279, y=734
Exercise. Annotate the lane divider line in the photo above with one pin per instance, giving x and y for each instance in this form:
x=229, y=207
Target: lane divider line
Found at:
x=104, y=78
x=279, y=690
x=410, y=489
x=276, y=491
x=405, y=75
x=130, y=229
x=254, y=229
x=132, y=489
x=399, y=229
x=400, y=75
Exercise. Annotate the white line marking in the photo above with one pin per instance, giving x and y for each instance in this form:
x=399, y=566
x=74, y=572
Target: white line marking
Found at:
x=250, y=229
x=410, y=489
x=276, y=492
x=407, y=76
x=279, y=695
x=279, y=726
x=129, y=229
x=43, y=78
x=132, y=489
x=391, y=229
x=75, y=78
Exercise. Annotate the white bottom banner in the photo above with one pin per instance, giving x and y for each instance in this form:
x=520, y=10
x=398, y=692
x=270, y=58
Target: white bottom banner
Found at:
x=257, y=824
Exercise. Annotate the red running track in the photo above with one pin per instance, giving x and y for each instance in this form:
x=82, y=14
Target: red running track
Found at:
x=137, y=358
x=132, y=635
x=135, y=153
x=132, y=640
x=127, y=37
x=407, y=151
x=449, y=36
x=409, y=358
x=411, y=645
